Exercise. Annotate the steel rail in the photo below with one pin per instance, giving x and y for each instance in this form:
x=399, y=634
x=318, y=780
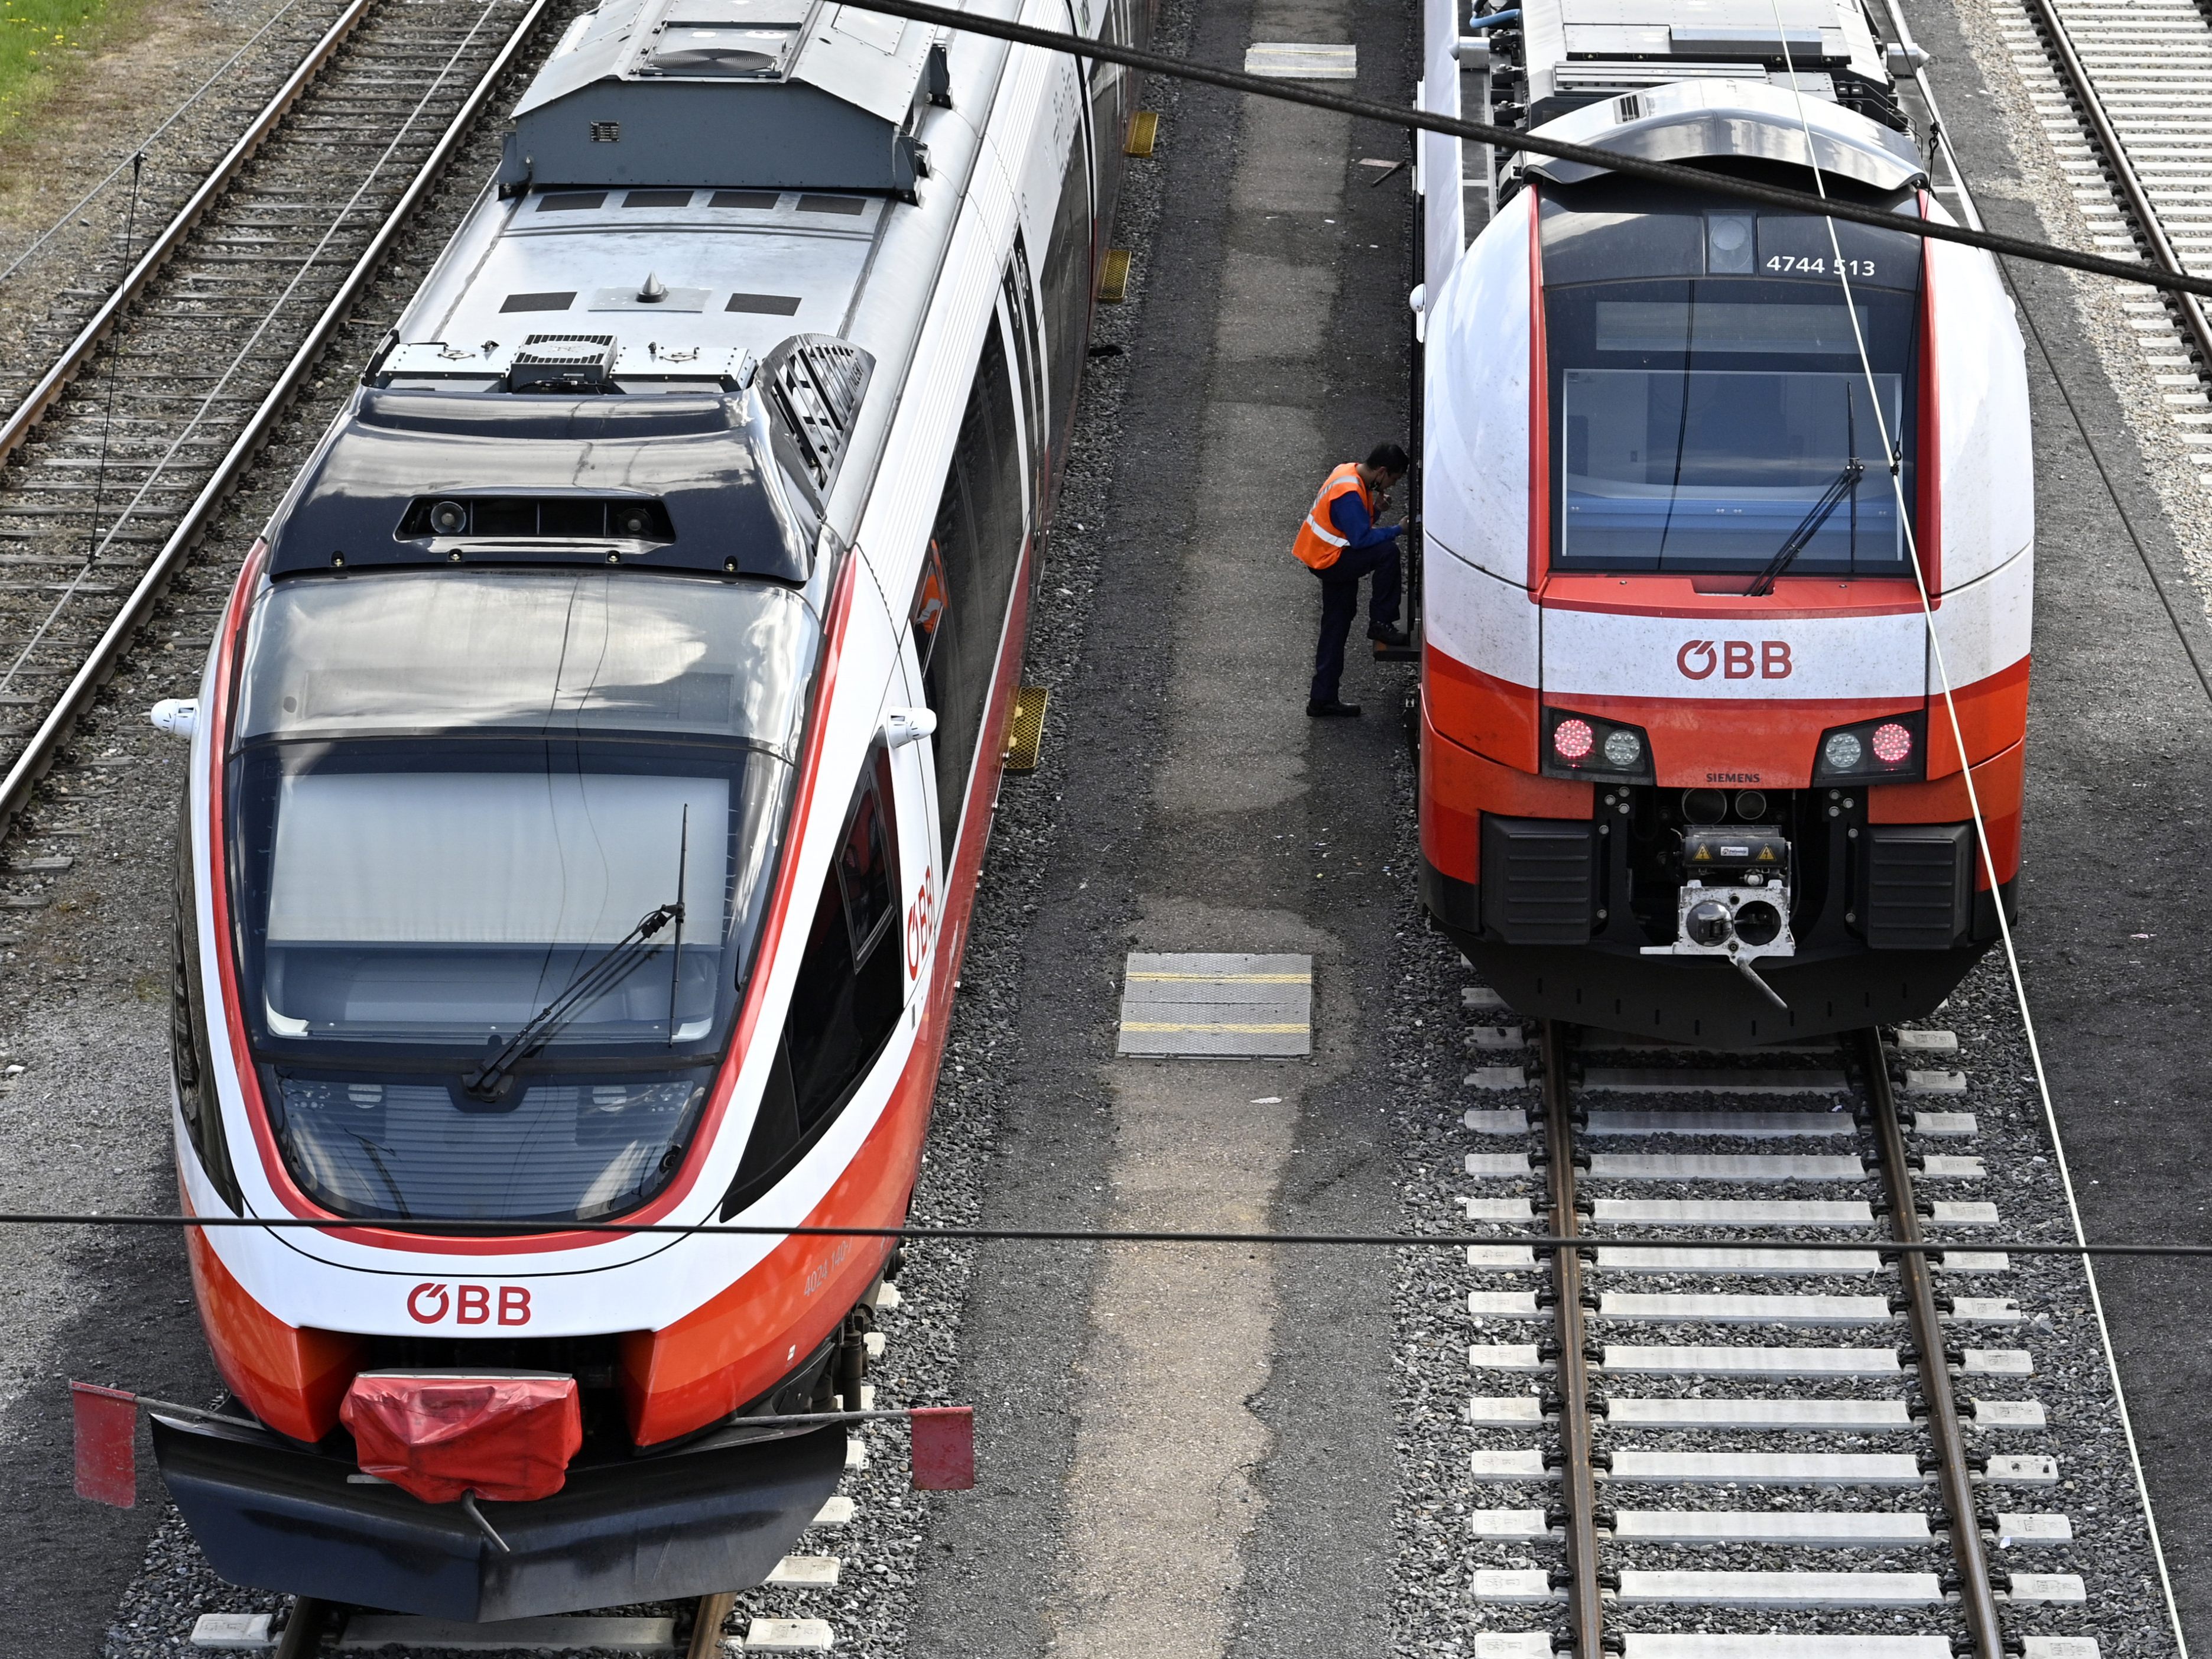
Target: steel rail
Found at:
x=1577, y=1473
x=1954, y=1477
x=99, y=665
x=79, y=351
x=2194, y=320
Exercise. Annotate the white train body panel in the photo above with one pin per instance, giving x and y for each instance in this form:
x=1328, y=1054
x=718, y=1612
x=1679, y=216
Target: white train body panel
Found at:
x=1671, y=578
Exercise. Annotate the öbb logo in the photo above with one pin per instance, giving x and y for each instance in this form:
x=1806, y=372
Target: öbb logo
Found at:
x=1737, y=659
x=431, y=1303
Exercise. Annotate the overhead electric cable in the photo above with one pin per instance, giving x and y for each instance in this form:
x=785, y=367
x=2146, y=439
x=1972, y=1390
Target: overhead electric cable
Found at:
x=478, y=1227
x=1988, y=852
x=1633, y=167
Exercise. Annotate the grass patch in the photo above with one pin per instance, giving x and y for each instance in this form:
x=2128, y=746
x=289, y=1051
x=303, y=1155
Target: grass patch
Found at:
x=42, y=42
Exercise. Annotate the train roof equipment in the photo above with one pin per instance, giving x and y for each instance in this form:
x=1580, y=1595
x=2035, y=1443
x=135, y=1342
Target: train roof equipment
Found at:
x=1583, y=51
x=638, y=92
x=1734, y=119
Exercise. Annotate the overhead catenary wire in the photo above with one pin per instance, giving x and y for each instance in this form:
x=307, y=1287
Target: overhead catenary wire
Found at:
x=223, y=381
x=1511, y=138
x=114, y=373
x=221, y=75
x=475, y=1227
x=1988, y=852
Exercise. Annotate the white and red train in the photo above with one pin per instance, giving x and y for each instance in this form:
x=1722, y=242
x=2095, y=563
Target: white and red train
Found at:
x=589, y=782
x=1686, y=767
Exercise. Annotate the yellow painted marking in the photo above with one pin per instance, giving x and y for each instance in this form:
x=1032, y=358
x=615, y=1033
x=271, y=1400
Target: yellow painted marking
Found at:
x=1234, y=979
x=1113, y=277
x=1143, y=133
x=1133, y=1026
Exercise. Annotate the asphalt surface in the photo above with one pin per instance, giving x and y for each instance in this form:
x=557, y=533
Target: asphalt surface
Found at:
x=2119, y=803
x=1188, y=1449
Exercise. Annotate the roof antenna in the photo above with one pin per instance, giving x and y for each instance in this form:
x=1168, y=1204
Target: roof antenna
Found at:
x=654, y=290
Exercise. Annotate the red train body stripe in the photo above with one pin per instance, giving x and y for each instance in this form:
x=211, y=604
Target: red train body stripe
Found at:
x=1999, y=783
x=292, y=1379
x=1493, y=717
x=1458, y=786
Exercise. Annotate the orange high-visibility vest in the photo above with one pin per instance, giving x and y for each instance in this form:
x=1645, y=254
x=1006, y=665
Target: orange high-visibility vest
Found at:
x=1319, y=545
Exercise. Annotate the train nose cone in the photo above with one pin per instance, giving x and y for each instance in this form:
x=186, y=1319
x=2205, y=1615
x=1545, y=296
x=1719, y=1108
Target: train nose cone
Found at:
x=1707, y=923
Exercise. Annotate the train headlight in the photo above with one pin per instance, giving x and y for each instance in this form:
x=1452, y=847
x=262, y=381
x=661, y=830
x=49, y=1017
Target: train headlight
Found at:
x=1870, y=751
x=1590, y=746
x=449, y=519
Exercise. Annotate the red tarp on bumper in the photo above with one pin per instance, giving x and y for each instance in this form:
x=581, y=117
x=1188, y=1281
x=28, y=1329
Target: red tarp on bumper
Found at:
x=507, y=1439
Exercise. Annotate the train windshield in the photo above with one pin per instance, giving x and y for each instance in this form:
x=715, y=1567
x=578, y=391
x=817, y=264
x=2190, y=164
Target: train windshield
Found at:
x=1711, y=411
x=465, y=807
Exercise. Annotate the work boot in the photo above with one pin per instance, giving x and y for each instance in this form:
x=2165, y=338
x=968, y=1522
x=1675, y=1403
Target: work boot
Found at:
x=1320, y=710
x=1396, y=638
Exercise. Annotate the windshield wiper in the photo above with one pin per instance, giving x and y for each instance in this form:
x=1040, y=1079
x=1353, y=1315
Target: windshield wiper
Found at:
x=1809, y=526
x=488, y=1080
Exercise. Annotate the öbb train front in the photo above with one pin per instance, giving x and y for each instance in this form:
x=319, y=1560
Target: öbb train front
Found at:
x=588, y=786
x=1687, y=768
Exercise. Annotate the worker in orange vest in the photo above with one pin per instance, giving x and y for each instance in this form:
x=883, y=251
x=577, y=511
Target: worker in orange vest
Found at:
x=1339, y=542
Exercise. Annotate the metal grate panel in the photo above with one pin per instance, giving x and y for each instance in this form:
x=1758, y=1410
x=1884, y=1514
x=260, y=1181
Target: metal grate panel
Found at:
x=1537, y=886
x=1025, y=728
x=1285, y=60
x=1114, y=277
x=1916, y=885
x=1217, y=1004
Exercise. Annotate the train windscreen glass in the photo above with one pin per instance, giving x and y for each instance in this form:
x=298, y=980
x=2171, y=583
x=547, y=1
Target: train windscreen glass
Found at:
x=459, y=802
x=1709, y=408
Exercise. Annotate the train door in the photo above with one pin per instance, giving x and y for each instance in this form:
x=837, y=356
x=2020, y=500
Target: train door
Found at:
x=1067, y=278
x=962, y=599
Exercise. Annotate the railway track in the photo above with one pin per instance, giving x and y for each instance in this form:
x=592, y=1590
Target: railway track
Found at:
x=1795, y=1452
x=2124, y=90
x=124, y=455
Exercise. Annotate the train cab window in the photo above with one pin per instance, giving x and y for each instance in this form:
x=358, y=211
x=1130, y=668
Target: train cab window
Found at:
x=463, y=807
x=1710, y=409
x=850, y=991
x=851, y=982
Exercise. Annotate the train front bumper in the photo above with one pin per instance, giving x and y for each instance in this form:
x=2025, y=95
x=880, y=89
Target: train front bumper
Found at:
x=710, y=1516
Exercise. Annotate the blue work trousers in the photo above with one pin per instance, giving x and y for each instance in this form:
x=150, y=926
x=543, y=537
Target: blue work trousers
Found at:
x=1340, y=604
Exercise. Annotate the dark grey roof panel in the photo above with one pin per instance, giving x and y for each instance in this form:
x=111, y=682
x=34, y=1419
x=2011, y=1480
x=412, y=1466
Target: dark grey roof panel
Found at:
x=710, y=460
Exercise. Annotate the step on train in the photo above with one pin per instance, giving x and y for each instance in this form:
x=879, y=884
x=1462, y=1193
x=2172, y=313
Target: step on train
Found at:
x=589, y=784
x=1686, y=766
